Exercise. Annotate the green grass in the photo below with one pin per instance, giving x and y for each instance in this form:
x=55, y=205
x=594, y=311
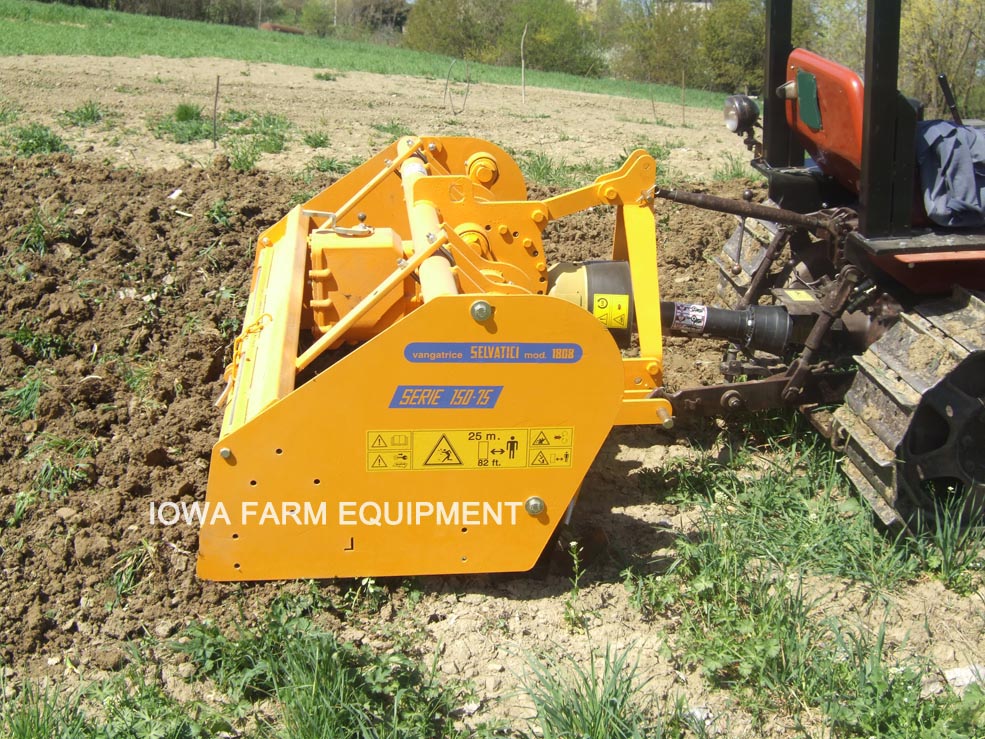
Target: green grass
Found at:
x=772, y=518
x=393, y=129
x=129, y=568
x=8, y=113
x=952, y=548
x=87, y=114
x=35, y=138
x=593, y=701
x=219, y=213
x=316, y=139
x=42, y=28
x=43, y=228
x=184, y=125
x=41, y=344
x=21, y=402
x=323, y=687
x=542, y=169
x=64, y=464
x=129, y=705
x=734, y=167
x=244, y=154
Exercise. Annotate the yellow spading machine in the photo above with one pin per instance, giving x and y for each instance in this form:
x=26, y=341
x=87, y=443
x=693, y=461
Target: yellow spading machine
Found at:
x=415, y=390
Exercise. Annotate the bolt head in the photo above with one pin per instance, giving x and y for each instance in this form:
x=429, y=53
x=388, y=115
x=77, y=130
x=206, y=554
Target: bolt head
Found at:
x=481, y=311
x=534, y=505
x=225, y=452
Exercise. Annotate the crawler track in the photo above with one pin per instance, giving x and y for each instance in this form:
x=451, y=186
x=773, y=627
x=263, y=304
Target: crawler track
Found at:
x=913, y=422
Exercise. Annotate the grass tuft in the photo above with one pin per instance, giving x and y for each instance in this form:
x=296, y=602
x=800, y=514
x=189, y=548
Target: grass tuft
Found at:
x=542, y=169
x=33, y=712
x=43, y=228
x=184, y=125
x=64, y=464
x=600, y=701
x=87, y=114
x=393, y=128
x=129, y=568
x=35, y=139
x=21, y=402
x=42, y=345
x=316, y=139
x=243, y=153
x=734, y=167
x=952, y=545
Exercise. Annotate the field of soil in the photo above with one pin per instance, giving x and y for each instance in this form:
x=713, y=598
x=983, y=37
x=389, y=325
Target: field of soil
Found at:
x=125, y=320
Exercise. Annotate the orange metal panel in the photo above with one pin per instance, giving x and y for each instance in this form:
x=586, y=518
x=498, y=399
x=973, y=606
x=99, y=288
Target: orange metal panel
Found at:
x=837, y=146
x=372, y=469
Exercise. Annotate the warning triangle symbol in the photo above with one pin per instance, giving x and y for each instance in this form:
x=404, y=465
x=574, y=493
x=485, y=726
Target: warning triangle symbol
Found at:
x=443, y=455
x=619, y=319
x=379, y=462
x=541, y=440
x=378, y=442
x=539, y=460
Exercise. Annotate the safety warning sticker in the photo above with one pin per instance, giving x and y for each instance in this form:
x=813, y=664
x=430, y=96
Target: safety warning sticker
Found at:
x=468, y=449
x=611, y=310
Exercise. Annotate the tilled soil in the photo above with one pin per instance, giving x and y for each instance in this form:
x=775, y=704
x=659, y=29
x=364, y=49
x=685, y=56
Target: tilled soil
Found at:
x=126, y=316
x=122, y=290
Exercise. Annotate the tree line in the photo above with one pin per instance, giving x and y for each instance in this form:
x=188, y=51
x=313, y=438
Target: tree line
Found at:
x=709, y=44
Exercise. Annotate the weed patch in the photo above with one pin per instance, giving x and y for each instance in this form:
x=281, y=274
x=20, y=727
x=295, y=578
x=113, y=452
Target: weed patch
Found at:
x=393, y=128
x=867, y=696
x=36, y=139
x=316, y=139
x=952, y=545
x=323, y=687
x=542, y=169
x=43, y=228
x=21, y=402
x=87, y=114
x=268, y=131
x=736, y=590
x=243, y=153
x=734, y=167
x=598, y=702
x=219, y=213
x=184, y=125
x=42, y=345
x=332, y=165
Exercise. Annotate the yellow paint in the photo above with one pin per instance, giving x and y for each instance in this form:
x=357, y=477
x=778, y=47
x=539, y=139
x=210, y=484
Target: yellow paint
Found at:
x=307, y=441
x=611, y=310
x=800, y=296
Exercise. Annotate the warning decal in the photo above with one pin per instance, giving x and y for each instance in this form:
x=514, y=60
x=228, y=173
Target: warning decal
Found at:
x=388, y=451
x=611, y=310
x=443, y=454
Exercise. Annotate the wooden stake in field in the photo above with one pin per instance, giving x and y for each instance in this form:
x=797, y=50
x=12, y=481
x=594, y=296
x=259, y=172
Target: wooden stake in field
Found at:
x=683, y=121
x=523, y=66
x=215, y=113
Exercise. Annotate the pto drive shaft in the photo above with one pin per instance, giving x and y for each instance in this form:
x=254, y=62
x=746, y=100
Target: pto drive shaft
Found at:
x=763, y=327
